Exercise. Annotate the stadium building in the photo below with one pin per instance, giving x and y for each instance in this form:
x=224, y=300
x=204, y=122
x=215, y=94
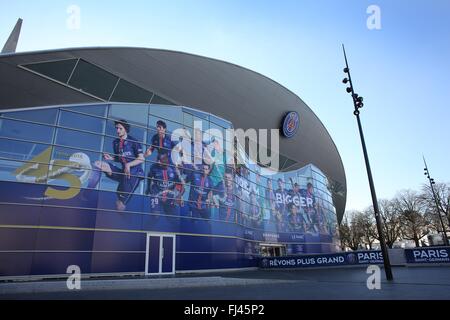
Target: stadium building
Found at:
x=87, y=174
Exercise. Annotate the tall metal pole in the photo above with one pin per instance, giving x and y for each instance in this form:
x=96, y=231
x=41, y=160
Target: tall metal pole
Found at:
x=387, y=264
x=427, y=173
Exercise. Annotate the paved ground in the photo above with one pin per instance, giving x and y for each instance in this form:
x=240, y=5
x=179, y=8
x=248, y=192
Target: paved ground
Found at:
x=428, y=283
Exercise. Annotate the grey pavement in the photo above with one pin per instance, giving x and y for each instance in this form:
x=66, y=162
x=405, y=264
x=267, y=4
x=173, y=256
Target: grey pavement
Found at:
x=410, y=283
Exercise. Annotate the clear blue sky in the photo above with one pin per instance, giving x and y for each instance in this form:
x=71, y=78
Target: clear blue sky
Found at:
x=402, y=70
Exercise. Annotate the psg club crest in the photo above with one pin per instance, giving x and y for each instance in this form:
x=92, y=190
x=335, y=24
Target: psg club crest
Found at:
x=290, y=124
x=264, y=263
x=351, y=258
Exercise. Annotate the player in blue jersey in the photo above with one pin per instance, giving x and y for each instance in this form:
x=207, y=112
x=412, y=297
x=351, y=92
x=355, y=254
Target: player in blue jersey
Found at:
x=269, y=205
x=280, y=203
x=164, y=186
x=295, y=200
x=294, y=220
x=227, y=211
x=311, y=207
x=128, y=153
x=242, y=194
x=255, y=210
x=200, y=193
x=214, y=155
x=161, y=141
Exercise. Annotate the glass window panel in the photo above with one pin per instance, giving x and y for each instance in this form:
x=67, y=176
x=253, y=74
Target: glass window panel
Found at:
x=82, y=122
x=288, y=163
x=167, y=112
x=25, y=131
x=18, y=150
x=132, y=113
x=95, y=110
x=160, y=100
x=199, y=114
x=47, y=116
x=58, y=70
x=30, y=172
x=93, y=80
x=220, y=122
x=78, y=139
x=128, y=92
x=188, y=119
x=136, y=132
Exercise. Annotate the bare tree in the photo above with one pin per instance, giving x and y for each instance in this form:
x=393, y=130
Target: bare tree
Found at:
x=411, y=208
x=365, y=223
x=390, y=221
x=350, y=232
x=344, y=233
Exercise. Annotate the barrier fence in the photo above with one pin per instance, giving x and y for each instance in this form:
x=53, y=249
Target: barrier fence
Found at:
x=431, y=255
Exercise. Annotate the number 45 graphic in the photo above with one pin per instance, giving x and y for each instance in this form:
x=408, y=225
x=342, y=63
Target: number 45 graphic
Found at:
x=40, y=169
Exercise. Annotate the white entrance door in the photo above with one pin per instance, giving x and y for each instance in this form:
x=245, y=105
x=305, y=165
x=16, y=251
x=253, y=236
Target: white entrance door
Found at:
x=160, y=254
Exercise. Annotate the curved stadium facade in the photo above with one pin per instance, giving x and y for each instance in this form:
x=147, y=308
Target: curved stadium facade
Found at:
x=58, y=117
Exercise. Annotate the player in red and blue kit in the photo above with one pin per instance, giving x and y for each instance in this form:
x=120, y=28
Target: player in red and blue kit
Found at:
x=226, y=211
x=165, y=187
x=200, y=194
x=128, y=153
x=280, y=203
x=161, y=141
x=311, y=207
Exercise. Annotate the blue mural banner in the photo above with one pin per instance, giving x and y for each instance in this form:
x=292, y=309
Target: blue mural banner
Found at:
x=323, y=260
x=85, y=189
x=428, y=255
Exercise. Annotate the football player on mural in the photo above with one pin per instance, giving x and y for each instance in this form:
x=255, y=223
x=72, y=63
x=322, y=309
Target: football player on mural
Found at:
x=269, y=205
x=200, y=193
x=294, y=219
x=128, y=153
x=255, y=211
x=280, y=204
x=165, y=186
x=311, y=209
x=214, y=155
x=227, y=201
x=294, y=207
x=161, y=141
x=242, y=193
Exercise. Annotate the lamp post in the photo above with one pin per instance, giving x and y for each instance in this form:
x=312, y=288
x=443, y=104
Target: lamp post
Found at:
x=431, y=180
x=358, y=103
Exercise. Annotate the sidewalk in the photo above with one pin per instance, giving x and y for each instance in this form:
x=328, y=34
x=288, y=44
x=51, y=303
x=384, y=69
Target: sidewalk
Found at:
x=410, y=283
x=131, y=284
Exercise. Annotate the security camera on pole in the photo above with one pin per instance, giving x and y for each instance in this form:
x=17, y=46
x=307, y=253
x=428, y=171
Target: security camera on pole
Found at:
x=358, y=103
